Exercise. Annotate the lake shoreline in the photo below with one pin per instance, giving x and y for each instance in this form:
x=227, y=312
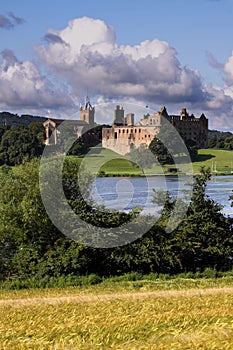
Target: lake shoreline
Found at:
x=151, y=175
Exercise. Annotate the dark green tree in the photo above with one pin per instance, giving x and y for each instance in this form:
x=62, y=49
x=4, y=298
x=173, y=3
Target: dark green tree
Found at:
x=192, y=149
x=142, y=157
x=204, y=237
x=160, y=151
x=79, y=148
x=168, y=146
x=228, y=144
x=21, y=142
x=30, y=245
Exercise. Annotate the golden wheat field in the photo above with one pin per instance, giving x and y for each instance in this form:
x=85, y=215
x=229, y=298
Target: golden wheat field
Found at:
x=133, y=315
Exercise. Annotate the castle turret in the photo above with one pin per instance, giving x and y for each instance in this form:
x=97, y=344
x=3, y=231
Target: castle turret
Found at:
x=87, y=112
x=164, y=112
x=129, y=119
x=118, y=116
x=183, y=114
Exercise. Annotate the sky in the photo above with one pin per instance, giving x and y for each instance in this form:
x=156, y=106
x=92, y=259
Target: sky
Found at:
x=173, y=53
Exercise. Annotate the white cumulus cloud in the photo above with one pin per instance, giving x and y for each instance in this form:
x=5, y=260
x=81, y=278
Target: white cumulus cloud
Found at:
x=228, y=69
x=23, y=86
x=87, y=55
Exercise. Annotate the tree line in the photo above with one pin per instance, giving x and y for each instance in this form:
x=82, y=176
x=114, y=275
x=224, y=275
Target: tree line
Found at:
x=27, y=142
x=31, y=246
x=225, y=143
x=21, y=142
x=220, y=140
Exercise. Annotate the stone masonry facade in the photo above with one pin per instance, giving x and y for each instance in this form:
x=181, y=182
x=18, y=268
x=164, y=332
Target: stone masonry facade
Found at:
x=123, y=135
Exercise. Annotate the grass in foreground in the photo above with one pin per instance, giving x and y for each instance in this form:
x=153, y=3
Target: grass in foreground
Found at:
x=133, y=315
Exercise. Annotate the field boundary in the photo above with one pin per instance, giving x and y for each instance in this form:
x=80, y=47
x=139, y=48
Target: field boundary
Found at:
x=108, y=297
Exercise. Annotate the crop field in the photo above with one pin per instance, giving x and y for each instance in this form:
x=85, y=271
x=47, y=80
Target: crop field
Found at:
x=179, y=314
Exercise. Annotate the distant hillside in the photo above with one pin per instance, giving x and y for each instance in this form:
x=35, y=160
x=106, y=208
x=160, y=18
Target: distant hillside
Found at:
x=10, y=119
x=215, y=134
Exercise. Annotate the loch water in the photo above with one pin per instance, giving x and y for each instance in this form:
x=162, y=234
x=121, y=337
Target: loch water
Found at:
x=125, y=193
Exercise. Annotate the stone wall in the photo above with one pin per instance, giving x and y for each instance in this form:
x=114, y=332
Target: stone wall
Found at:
x=120, y=138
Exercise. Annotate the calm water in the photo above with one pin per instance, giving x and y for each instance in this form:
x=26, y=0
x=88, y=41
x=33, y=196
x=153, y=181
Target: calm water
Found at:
x=126, y=193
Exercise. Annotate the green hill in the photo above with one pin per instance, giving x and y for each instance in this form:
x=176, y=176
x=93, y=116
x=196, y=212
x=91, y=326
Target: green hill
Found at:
x=9, y=119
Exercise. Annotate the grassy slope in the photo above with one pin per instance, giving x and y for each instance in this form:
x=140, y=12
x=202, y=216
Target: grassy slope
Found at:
x=187, y=314
x=109, y=162
x=113, y=164
x=210, y=157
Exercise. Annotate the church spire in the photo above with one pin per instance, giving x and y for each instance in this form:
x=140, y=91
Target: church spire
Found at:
x=88, y=103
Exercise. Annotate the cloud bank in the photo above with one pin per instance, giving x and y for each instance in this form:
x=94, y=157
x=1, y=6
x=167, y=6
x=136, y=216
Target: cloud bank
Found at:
x=23, y=86
x=85, y=56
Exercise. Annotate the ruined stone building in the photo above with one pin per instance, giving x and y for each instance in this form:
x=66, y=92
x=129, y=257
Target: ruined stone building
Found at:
x=124, y=134
x=80, y=127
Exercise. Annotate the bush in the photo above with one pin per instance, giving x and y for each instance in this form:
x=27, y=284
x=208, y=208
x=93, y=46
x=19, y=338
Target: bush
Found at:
x=209, y=273
x=93, y=279
x=51, y=282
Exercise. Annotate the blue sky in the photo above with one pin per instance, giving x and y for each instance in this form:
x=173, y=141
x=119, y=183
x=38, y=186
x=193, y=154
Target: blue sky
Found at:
x=173, y=52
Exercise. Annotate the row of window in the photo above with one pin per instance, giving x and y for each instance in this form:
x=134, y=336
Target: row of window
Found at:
x=127, y=131
x=139, y=138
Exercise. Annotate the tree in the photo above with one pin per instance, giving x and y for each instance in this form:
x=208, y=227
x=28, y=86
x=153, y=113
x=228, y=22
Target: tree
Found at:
x=21, y=142
x=168, y=146
x=220, y=139
x=78, y=148
x=204, y=237
x=212, y=142
x=26, y=232
x=228, y=144
x=160, y=151
x=37, y=134
x=29, y=242
x=192, y=149
x=142, y=157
